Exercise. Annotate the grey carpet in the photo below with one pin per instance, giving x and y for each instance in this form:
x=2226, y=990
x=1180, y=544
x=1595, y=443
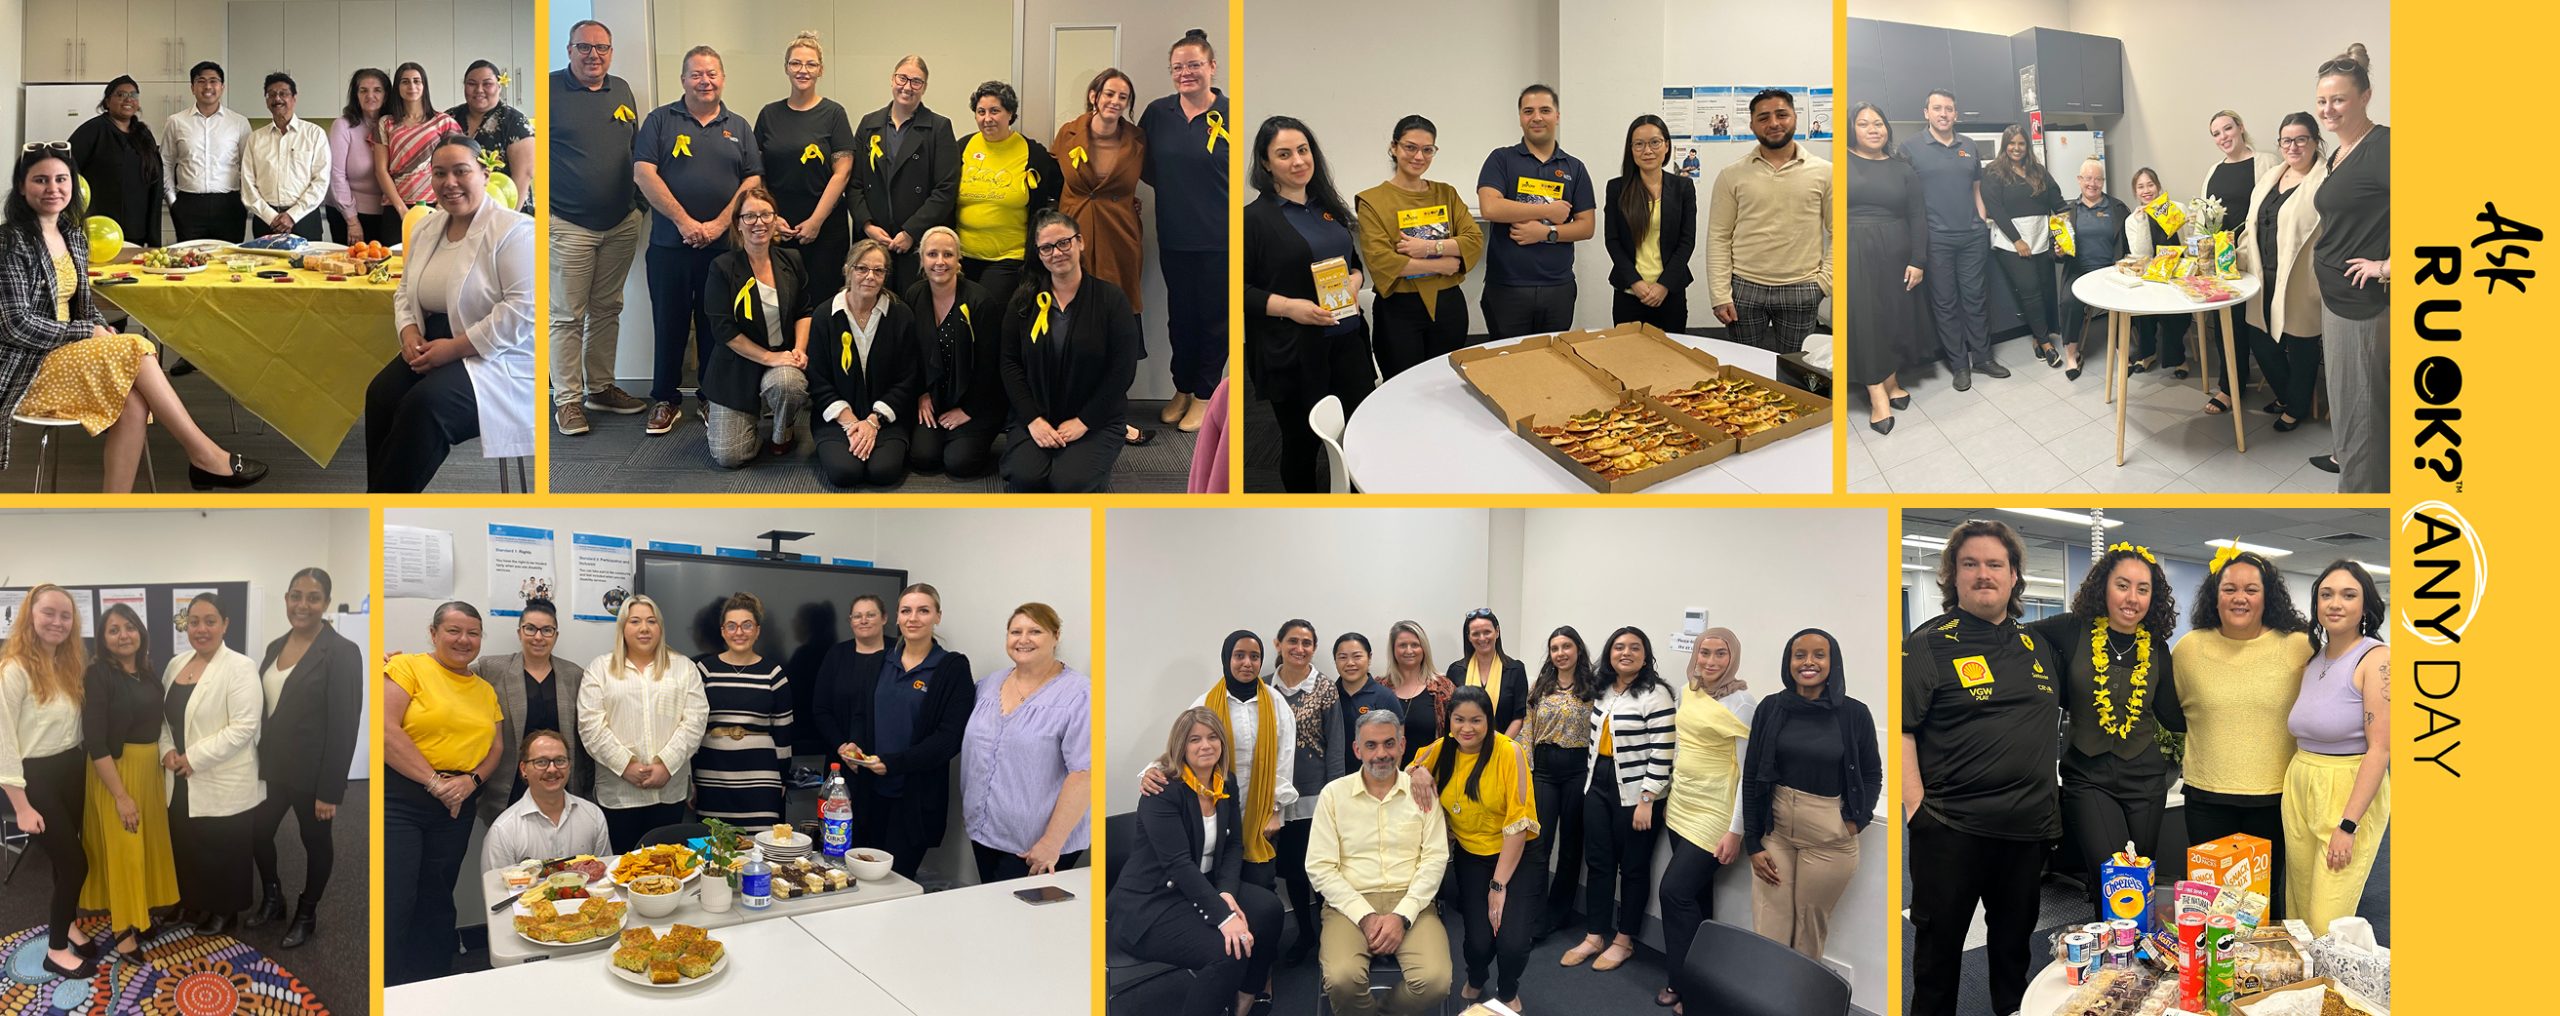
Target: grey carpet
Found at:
x=617, y=456
x=336, y=964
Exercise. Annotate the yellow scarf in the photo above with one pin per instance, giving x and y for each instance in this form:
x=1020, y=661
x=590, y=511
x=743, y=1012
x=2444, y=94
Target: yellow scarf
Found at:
x=1266, y=763
x=1215, y=791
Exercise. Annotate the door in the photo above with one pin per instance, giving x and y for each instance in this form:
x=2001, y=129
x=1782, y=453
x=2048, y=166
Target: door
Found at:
x=1076, y=54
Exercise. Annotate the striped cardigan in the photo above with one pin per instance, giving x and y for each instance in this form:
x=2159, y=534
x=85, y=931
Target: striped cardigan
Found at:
x=1643, y=735
x=28, y=329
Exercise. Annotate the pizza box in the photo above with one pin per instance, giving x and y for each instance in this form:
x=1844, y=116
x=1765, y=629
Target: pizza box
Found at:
x=1536, y=376
x=1641, y=356
x=1818, y=418
x=1714, y=445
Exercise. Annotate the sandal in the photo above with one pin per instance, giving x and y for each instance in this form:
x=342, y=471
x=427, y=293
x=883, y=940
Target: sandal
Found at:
x=2216, y=406
x=1666, y=997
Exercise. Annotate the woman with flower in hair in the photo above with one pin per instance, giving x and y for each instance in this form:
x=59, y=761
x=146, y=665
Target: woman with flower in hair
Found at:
x=2239, y=670
x=2118, y=691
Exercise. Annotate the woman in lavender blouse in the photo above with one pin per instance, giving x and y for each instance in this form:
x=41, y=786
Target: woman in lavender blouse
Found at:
x=355, y=195
x=1027, y=765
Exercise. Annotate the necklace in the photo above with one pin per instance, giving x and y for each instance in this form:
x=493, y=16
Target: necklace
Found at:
x=2103, y=654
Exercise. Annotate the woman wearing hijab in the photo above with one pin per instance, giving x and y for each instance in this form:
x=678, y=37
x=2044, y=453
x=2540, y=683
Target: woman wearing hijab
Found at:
x=1504, y=680
x=1706, y=777
x=2118, y=692
x=1262, y=739
x=1323, y=754
x=1809, y=783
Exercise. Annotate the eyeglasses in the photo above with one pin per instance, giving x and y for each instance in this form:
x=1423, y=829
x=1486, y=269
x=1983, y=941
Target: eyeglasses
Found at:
x=755, y=216
x=868, y=272
x=906, y=81
x=1193, y=66
x=1650, y=144
x=591, y=48
x=802, y=65
x=1413, y=149
x=547, y=764
x=1057, y=247
x=2293, y=142
x=126, y=93
x=738, y=626
x=540, y=631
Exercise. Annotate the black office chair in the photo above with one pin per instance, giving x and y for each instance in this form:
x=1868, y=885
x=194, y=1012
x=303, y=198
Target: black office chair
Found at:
x=1386, y=974
x=677, y=833
x=1731, y=970
x=1134, y=987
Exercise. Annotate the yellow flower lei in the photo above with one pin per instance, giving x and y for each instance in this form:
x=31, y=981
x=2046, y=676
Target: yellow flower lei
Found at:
x=2138, y=682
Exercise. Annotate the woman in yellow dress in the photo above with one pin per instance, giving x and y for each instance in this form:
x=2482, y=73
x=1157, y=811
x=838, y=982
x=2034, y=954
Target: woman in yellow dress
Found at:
x=58, y=358
x=130, y=867
x=1483, y=781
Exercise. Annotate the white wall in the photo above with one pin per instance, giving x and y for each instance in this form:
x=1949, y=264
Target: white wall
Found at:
x=262, y=546
x=1363, y=569
x=1999, y=17
x=12, y=67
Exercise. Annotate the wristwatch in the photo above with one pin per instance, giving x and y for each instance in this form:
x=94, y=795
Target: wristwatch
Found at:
x=1497, y=887
x=1551, y=233
x=2347, y=826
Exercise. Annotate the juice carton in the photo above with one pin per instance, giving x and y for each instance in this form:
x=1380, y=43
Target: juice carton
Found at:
x=2238, y=861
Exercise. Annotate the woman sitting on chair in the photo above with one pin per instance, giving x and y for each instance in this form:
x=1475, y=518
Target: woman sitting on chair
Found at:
x=1189, y=856
x=58, y=358
x=465, y=313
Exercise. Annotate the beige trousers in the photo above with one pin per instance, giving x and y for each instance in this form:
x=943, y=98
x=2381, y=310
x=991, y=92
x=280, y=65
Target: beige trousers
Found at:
x=1343, y=956
x=1816, y=852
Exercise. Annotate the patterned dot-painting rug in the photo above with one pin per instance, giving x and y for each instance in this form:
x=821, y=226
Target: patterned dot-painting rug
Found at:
x=179, y=975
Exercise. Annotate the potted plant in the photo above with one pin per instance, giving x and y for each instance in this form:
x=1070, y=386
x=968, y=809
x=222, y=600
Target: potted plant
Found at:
x=720, y=852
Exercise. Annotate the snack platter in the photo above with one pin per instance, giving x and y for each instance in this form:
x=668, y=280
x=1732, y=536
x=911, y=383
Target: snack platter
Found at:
x=674, y=860
x=680, y=957
x=570, y=921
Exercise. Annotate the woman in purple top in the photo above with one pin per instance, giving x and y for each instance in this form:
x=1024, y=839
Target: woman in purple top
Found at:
x=1027, y=768
x=354, y=207
x=2337, y=794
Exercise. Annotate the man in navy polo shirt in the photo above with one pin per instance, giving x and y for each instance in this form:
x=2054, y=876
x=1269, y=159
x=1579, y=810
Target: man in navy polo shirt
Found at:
x=692, y=158
x=1541, y=199
x=1950, y=170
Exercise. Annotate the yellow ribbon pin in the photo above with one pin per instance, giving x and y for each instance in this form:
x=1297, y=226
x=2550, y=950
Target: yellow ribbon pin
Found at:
x=810, y=154
x=622, y=113
x=875, y=151
x=1076, y=157
x=969, y=321
x=1040, y=324
x=1030, y=180
x=684, y=146
x=846, y=359
x=1218, y=129
x=746, y=301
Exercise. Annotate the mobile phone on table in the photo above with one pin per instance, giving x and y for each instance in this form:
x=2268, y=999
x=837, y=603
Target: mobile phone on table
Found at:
x=1043, y=895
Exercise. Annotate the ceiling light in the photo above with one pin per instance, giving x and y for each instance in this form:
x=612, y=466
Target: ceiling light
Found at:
x=2378, y=571
x=2267, y=552
x=2056, y=515
x=1924, y=542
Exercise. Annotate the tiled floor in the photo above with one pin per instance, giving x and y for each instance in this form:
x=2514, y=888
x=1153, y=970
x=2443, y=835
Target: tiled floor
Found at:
x=2034, y=432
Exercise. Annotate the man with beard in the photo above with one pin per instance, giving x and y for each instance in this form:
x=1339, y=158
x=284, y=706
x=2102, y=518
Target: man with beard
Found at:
x=548, y=821
x=1769, y=233
x=1537, y=203
x=1376, y=853
x=1979, y=751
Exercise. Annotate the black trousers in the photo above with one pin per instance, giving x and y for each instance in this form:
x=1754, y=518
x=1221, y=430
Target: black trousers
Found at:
x=1406, y=334
x=1082, y=467
x=2098, y=821
x=1688, y=896
x=2076, y=326
x=412, y=421
x=1263, y=873
x=677, y=277
x=893, y=824
x=823, y=257
x=382, y=227
x=423, y=849
x=887, y=466
x=1346, y=375
x=1672, y=316
x=625, y=826
x=1004, y=866
x=2211, y=816
x=319, y=853
x=1556, y=775
x=1196, y=945
x=2162, y=335
x=1000, y=278
x=1957, y=263
x=1195, y=297
x=209, y=217
x=213, y=870
x=1471, y=881
x=1514, y=311
x=1289, y=861
x=57, y=791
x=963, y=454
x=1951, y=871
x=1621, y=856
x=2029, y=281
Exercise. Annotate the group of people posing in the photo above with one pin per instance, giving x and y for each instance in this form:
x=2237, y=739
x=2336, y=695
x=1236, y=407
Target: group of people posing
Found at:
x=1414, y=241
x=156, y=788
x=593, y=759
x=2311, y=222
x=2017, y=733
x=1378, y=802
x=915, y=294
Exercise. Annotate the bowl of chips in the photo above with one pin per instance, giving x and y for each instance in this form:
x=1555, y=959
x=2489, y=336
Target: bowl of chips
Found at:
x=655, y=895
x=674, y=860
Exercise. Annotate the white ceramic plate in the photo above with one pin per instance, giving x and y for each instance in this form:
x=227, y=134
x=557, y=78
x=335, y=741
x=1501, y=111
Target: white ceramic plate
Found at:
x=643, y=979
x=147, y=269
x=208, y=246
x=699, y=862
x=564, y=907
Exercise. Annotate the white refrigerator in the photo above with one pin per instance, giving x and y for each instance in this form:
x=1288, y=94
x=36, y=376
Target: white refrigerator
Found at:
x=51, y=112
x=2064, y=151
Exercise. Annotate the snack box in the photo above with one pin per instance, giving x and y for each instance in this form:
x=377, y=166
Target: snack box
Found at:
x=1642, y=356
x=2238, y=861
x=1536, y=376
x=2127, y=884
x=1713, y=445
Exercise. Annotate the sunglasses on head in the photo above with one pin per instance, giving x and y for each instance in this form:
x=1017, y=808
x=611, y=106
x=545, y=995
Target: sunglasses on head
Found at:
x=46, y=146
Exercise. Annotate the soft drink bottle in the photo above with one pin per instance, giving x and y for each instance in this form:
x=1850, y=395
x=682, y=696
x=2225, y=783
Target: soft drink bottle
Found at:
x=835, y=814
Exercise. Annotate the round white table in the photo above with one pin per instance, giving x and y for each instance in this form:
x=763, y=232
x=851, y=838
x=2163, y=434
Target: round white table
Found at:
x=1422, y=432
x=2047, y=990
x=2123, y=304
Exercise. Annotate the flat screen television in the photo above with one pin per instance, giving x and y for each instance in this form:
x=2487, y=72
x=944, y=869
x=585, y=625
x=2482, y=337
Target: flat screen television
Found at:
x=804, y=609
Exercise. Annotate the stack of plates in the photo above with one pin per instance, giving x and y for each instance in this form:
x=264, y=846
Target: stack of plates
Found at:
x=777, y=850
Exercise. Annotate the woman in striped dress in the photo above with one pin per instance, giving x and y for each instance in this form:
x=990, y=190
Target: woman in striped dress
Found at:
x=404, y=138
x=746, y=744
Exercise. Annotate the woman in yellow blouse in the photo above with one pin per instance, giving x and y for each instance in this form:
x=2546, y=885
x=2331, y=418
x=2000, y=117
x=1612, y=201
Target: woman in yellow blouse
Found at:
x=1492, y=814
x=40, y=760
x=1006, y=180
x=2238, y=669
x=1706, y=786
x=440, y=745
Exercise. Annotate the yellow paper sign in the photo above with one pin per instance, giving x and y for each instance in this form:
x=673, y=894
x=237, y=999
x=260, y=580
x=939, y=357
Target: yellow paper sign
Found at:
x=1532, y=187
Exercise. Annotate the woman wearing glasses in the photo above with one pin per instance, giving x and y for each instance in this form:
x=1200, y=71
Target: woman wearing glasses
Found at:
x=439, y=746
x=1302, y=351
x=1188, y=141
x=121, y=161
x=1650, y=228
x=1419, y=240
x=2284, y=321
x=808, y=147
x=746, y=742
x=641, y=713
x=314, y=685
x=1006, y=181
x=536, y=691
x=1070, y=350
x=757, y=301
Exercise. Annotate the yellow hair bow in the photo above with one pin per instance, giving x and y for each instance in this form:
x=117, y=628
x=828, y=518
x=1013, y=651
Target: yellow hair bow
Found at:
x=875, y=151
x=810, y=154
x=2223, y=557
x=1040, y=324
x=1218, y=129
x=684, y=146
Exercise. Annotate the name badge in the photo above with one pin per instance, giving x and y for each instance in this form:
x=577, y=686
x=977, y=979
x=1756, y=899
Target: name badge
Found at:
x=1533, y=189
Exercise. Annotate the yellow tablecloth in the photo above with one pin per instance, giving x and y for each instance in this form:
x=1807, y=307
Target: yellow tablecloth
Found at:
x=298, y=354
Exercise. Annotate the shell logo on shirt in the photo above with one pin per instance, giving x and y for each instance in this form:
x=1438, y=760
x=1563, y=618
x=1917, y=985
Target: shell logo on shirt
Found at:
x=1973, y=671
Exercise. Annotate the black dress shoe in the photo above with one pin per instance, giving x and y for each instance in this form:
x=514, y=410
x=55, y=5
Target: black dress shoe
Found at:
x=2276, y=406
x=2284, y=424
x=87, y=969
x=1899, y=401
x=1964, y=380
x=89, y=950
x=1883, y=426
x=245, y=472
x=270, y=907
x=2071, y=373
x=218, y=924
x=2325, y=463
x=304, y=914
x=1992, y=368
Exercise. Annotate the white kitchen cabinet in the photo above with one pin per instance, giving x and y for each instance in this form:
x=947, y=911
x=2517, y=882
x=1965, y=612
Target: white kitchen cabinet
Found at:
x=69, y=41
x=164, y=99
x=368, y=36
x=256, y=45
x=424, y=30
x=311, y=52
x=526, y=67
x=199, y=28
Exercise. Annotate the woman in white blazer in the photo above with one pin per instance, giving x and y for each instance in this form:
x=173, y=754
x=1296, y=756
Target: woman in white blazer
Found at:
x=466, y=318
x=2231, y=179
x=209, y=748
x=2286, y=314
x=1633, y=737
x=641, y=712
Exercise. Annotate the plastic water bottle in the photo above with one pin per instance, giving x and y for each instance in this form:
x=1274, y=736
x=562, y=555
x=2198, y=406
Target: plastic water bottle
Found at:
x=755, y=883
x=835, y=814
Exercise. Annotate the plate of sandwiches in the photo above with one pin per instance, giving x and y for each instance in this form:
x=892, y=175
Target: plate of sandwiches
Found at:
x=680, y=957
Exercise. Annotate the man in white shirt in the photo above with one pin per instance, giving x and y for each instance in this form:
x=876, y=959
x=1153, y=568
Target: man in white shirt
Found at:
x=200, y=158
x=284, y=168
x=547, y=821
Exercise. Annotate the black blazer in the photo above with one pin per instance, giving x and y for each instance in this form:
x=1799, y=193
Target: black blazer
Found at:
x=915, y=193
x=305, y=746
x=1091, y=383
x=1162, y=880
x=729, y=379
x=965, y=375
x=888, y=376
x=950, y=693
x=1679, y=233
x=1514, y=703
x=1289, y=359
x=831, y=702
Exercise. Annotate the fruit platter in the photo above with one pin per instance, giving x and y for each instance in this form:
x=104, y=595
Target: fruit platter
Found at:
x=170, y=261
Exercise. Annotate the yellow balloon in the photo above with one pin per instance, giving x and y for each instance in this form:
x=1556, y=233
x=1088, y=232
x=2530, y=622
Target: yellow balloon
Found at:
x=502, y=189
x=410, y=221
x=84, y=190
x=106, y=239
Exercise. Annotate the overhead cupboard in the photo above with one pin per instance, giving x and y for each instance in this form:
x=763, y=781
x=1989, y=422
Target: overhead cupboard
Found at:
x=322, y=42
x=2075, y=75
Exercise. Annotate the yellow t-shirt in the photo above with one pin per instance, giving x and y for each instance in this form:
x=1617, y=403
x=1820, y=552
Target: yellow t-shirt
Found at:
x=1649, y=253
x=452, y=716
x=1608, y=740
x=1705, y=768
x=1504, y=802
x=995, y=198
